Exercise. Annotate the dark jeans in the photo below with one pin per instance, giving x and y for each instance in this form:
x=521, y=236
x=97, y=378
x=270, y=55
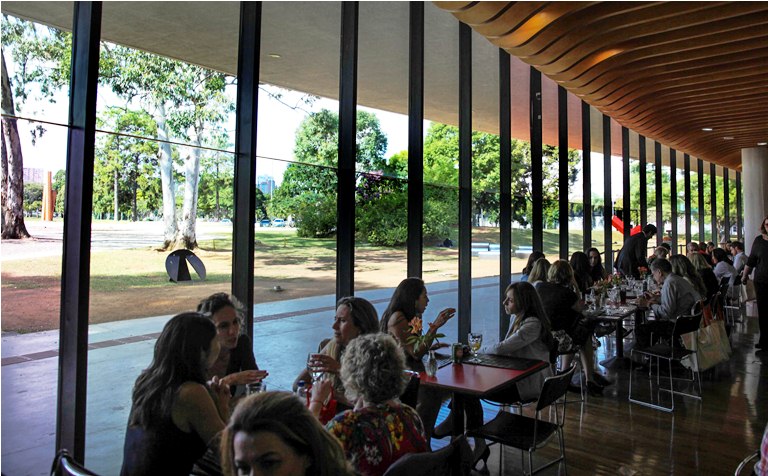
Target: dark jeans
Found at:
x=657, y=328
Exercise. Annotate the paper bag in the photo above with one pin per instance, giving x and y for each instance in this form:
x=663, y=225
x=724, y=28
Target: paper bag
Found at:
x=708, y=344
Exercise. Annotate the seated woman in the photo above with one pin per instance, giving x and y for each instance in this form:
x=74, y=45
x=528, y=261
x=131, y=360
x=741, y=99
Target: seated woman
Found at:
x=529, y=336
x=529, y=266
x=701, y=265
x=354, y=317
x=722, y=266
x=174, y=413
x=274, y=433
x=539, y=271
x=683, y=267
x=408, y=302
x=380, y=429
x=596, y=269
x=581, y=271
x=236, y=364
x=563, y=307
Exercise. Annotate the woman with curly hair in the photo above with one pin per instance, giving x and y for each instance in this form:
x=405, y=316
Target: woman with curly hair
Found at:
x=236, y=364
x=274, y=433
x=174, y=413
x=380, y=429
x=354, y=317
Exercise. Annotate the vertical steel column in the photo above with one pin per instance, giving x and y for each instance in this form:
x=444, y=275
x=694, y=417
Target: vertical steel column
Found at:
x=726, y=207
x=562, y=154
x=537, y=167
x=687, y=181
x=625, y=179
x=739, y=210
x=713, y=200
x=700, y=166
x=505, y=185
x=586, y=167
x=607, y=199
x=643, y=181
x=465, y=181
x=246, y=126
x=415, y=139
x=345, y=234
x=76, y=258
x=673, y=196
x=659, y=213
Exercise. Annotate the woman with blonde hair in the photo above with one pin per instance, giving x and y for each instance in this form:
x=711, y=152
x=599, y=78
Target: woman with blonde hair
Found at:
x=539, y=271
x=274, y=433
x=683, y=267
x=699, y=263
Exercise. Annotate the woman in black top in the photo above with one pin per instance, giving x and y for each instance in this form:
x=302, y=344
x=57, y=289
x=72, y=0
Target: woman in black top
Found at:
x=581, y=269
x=758, y=260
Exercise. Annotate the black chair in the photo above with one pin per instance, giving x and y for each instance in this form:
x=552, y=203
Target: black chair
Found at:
x=455, y=460
x=410, y=395
x=669, y=349
x=65, y=465
x=531, y=433
x=745, y=464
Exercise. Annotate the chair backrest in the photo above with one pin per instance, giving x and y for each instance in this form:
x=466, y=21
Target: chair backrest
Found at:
x=455, y=459
x=410, y=395
x=65, y=465
x=554, y=388
x=687, y=323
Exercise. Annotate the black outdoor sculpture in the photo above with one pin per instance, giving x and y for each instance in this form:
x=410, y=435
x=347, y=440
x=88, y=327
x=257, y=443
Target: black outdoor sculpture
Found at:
x=176, y=266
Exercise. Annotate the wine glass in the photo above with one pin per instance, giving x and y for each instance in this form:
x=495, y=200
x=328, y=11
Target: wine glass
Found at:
x=590, y=298
x=312, y=367
x=475, y=341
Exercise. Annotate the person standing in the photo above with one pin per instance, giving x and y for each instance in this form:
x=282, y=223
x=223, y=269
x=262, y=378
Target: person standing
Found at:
x=758, y=261
x=632, y=255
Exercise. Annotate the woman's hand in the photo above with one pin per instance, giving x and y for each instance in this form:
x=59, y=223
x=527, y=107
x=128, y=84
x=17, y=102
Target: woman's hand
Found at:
x=220, y=394
x=442, y=318
x=245, y=377
x=325, y=363
x=321, y=393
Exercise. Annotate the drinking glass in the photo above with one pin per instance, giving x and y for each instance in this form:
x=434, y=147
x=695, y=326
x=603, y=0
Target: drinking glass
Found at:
x=475, y=341
x=255, y=387
x=312, y=367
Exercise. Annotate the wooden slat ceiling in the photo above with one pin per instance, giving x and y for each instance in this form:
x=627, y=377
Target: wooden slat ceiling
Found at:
x=666, y=70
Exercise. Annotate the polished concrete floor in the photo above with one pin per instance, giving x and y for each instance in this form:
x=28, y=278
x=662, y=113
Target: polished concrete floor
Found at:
x=604, y=435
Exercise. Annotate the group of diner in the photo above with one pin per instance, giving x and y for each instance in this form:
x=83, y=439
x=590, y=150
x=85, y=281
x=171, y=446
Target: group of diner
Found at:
x=189, y=409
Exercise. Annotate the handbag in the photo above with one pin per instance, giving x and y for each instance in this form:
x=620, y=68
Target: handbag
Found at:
x=563, y=340
x=747, y=291
x=708, y=342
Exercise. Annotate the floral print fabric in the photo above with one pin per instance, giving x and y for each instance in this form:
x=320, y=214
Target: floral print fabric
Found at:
x=375, y=437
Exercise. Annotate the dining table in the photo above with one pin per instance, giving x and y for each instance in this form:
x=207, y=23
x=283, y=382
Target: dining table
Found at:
x=617, y=314
x=465, y=379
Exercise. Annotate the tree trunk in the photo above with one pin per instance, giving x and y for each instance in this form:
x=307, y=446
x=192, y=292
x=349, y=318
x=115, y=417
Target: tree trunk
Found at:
x=166, y=179
x=189, y=211
x=115, y=204
x=12, y=167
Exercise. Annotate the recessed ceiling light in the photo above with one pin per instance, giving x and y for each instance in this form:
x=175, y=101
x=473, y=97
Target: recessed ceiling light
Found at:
x=762, y=143
x=728, y=138
x=274, y=55
x=707, y=129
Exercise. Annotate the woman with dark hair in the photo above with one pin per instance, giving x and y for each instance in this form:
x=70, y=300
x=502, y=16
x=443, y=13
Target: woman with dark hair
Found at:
x=596, y=269
x=581, y=271
x=175, y=414
x=758, y=261
x=236, y=364
x=535, y=255
x=722, y=265
x=354, y=317
x=380, y=429
x=274, y=433
x=402, y=316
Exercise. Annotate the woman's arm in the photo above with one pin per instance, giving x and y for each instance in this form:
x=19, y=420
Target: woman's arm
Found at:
x=200, y=410
x=529, y=332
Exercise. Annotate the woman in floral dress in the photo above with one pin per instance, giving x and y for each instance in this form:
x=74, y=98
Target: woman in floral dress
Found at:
x=380, y=429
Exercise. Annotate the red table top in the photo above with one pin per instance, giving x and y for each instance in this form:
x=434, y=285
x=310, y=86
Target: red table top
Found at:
x=476, y=379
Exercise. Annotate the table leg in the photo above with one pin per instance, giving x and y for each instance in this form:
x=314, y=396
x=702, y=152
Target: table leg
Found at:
x=619, y=361
x=457, y=412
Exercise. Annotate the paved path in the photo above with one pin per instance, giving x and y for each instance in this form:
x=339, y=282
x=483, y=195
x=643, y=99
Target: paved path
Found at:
x=283, y=334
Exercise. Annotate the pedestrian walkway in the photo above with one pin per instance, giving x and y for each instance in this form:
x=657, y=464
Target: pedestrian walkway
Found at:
x=284, y=332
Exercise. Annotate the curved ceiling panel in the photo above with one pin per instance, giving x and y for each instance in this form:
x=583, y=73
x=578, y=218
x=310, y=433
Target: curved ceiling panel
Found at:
x=663, y=69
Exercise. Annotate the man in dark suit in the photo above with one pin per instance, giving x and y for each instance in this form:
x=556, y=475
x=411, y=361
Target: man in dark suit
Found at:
x=632, y=255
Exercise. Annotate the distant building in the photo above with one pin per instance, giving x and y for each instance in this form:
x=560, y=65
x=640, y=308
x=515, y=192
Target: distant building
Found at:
x=266, y=184
x=34, y=175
